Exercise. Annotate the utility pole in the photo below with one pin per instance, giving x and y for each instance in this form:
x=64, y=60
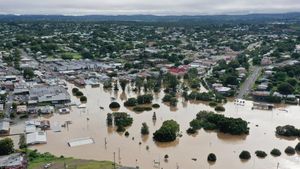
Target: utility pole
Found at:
x=119, y=156
x=114, y=160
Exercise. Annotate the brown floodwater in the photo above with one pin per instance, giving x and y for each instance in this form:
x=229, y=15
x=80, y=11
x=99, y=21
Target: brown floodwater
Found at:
x=184, y=149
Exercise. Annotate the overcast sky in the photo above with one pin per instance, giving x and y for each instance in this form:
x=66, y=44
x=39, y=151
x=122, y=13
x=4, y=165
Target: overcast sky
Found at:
x=158, y=7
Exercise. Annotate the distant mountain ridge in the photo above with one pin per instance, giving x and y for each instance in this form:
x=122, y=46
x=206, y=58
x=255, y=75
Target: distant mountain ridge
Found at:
x=295, y=17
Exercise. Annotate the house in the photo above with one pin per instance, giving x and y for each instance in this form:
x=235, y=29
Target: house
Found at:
x=1, y=107
x=178, y=70
x=297, y=49
x=241, y=70
x=260, y=95
x=13, y=161
x=38, y=137
x=266, y=61
x=30, y=129
x=49, y=94
x=4, y=128
x=262, y=87
x=10, y=78
x=223, y=90
x=45, y=124
x=21, y=108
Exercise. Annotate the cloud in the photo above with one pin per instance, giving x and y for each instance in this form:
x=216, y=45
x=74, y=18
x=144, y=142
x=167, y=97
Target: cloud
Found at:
x=160, y=7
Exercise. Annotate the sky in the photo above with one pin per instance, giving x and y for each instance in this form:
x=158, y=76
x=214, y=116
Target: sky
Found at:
x=155, y=7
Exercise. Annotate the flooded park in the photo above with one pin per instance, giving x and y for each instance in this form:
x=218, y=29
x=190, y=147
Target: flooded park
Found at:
x=187, y=152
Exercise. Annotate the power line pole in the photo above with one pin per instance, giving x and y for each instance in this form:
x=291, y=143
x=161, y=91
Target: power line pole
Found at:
x=114, y=160
x=119, y=156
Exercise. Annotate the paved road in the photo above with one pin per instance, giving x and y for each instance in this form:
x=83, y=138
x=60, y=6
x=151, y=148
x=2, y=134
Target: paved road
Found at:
x=8, y=105
x=249, y=82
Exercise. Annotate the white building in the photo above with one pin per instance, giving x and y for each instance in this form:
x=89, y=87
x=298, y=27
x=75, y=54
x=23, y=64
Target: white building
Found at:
x=39, y=137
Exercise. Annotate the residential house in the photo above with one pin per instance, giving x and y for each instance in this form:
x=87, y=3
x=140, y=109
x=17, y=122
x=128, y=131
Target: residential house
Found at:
x=4, y=128
x=13, y=161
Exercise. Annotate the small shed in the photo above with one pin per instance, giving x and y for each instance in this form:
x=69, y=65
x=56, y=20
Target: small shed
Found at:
x=36, y=138
x=4, y=127
x=21, y=109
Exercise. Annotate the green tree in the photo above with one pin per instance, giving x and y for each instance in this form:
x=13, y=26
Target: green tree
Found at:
x=83, y=99
x=245, y=155
x=130, y=102
x=28, y=73
x=6, y=146
x=285, y=88
x=145, y=129
x=167, y=132
x=123, y=83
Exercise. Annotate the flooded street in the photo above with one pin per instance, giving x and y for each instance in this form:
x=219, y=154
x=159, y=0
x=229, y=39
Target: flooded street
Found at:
x=184, y=149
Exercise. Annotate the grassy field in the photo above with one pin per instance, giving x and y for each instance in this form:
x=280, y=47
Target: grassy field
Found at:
x=72, y=163
x=71, y=55
x=295, y=27
x=39, y=160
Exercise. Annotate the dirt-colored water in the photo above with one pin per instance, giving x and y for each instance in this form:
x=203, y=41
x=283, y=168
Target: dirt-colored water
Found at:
x=181, y=151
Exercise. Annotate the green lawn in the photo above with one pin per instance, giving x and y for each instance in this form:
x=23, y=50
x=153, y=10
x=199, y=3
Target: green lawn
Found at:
x=71, y=163
x=39, y=160
x=71, y=55
x=295, y=27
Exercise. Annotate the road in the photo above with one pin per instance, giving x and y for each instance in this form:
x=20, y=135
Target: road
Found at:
x=249, y=82
x=8, y=105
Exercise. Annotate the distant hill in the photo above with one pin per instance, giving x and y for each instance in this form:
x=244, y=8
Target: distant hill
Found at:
x=250, y=18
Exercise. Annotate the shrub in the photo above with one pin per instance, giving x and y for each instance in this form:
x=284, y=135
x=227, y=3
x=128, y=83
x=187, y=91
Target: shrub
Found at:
x=167, y=132
x=114, y=105
x=122, y=119
x=288, y=131
x=211, y=157
x=219, y=108
x=173, y=101
x=155, y=105
x=121, y=129
x=75, y=90
x=275, y=152
x=200, y=96
x=126, y=134
x=83, y=99
x=12, y=115
x=167, y=98
x=22, y=141
x=141, y=109
x=297, y=147
x=145, y=99
x=107, y=85
x=260, y=154
x=213, y=104
x=145, y=129
x=191, y=130
x=245, y=155
x=130, y=102
x=109, y=119
x=78, y=94
x=290, y=150
x=166, y=156
x=24, y=116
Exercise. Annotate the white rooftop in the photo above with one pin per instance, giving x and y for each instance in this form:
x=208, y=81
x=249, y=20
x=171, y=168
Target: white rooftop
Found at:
x=36, y=138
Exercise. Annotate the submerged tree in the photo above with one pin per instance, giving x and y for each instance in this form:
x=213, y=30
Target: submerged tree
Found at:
x=145, y=129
